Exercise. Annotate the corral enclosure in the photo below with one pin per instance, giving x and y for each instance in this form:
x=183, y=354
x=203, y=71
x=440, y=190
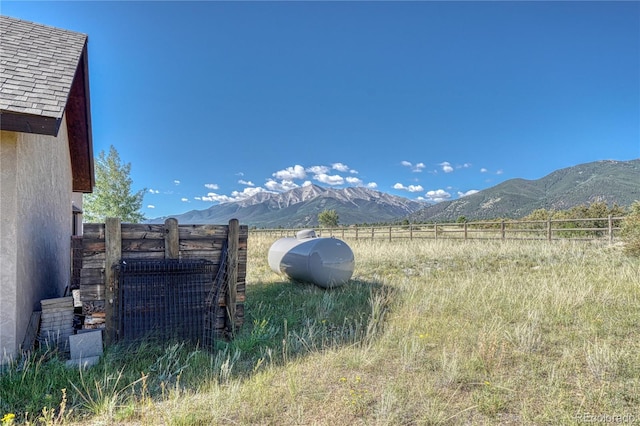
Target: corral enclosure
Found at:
x=134, y=276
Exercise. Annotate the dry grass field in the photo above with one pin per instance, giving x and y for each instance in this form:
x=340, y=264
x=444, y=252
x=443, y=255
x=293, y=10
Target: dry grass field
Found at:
x=427, y=332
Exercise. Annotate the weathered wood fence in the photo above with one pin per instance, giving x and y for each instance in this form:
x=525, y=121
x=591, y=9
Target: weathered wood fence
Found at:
x=605, y=229
x=103, y=246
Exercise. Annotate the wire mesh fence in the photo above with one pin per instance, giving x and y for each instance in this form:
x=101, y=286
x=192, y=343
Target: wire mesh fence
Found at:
x=167, y=299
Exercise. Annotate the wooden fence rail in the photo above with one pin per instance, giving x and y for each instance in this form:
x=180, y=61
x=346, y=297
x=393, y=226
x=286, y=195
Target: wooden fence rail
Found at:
x=603, y=229
x=104, y=245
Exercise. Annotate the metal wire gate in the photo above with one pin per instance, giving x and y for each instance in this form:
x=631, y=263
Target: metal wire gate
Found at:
x=169, y=299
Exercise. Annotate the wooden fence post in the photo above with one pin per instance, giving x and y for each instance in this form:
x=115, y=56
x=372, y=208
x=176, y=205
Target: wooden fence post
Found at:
x=610, y=229
x=171, y=239
x=411, y=231
x=232, y=271
x=113, y=253
x=389, y=233
x=465, y=231
x=435, y=230
x=502, y=229
x=549, y=229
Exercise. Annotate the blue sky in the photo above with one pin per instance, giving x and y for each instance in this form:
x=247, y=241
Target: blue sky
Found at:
x=214, y=101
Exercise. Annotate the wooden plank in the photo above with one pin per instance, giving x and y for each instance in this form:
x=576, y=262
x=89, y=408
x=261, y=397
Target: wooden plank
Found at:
x=113, y=240
x=93, y=261
x=202, y=244
x=142, y=245
x=171, y=240
x=232, y=272
x=136, y=231
x=202, y=254
x=93, y=246
x=92, y=277
x=151, y=255
x=92, y=273
x=93, y=230
x=202, y=231
x=92, y=292
x=32, y=331
x=88, y=254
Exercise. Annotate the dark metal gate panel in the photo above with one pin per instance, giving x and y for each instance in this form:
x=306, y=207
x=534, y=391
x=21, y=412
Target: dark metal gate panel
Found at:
x=164, y=299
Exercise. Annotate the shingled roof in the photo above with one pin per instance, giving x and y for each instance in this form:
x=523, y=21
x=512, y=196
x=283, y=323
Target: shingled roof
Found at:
x=43, y=76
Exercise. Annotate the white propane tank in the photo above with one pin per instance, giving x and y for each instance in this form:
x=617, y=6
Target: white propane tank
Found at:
x=326, y=262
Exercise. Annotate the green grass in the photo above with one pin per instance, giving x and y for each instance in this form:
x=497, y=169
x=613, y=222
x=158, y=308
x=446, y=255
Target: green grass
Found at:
x=427, y=332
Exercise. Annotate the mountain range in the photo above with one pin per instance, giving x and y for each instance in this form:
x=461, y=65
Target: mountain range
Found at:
x=300, y=207
x=607, y=181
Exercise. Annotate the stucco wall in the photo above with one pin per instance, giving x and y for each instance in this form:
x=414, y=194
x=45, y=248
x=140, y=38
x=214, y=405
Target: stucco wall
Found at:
x=36, y=228
x=8, y=232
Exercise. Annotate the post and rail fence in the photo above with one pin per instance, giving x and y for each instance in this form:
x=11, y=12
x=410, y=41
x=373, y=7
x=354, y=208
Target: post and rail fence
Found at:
x=586, y=229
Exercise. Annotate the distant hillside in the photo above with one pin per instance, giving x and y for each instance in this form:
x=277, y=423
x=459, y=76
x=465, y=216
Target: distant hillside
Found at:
x=607, y=181
x=299, y=207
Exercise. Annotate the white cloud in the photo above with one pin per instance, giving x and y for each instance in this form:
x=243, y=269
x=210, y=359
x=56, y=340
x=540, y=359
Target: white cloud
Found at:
x=246, y=182
x=282, y=186
x=154, y=191
x=151, y=206
x=184, y=200
x=290, y=173
x=353, y=180
x=483, y=170
x=340, y=167
x=446, y=167
x=438, y=195
x=307, y=183
x=329, y=179
x=410, y=188
x=318, y=170
x=213, y=197
x=469, y=192
x=246, y=193
x=177, y=182
x=372, y=185
x=416, y=169
x=499, y=172
x=213, y=186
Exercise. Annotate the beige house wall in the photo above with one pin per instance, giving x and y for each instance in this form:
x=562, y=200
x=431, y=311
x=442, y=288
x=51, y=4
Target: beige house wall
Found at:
x=35, y=228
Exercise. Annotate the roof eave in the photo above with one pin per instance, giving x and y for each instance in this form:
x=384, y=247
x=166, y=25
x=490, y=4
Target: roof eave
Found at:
x=78, y=114
x=29, y=123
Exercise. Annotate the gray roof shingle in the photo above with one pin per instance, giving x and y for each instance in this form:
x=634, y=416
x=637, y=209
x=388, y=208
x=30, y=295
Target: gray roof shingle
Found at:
x=44, y=75
x=37, y=67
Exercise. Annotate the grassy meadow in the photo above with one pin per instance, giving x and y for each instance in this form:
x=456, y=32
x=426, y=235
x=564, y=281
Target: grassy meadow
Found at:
x=427, y=332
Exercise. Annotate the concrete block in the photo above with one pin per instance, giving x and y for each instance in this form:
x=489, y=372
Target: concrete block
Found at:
x=86, y=345
x=83, y=362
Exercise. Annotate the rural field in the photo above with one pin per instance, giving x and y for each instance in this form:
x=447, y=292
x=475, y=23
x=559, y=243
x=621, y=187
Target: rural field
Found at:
x=427, y=332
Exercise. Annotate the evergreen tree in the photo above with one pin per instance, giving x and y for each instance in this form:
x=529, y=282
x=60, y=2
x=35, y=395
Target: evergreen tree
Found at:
x=112, y=196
